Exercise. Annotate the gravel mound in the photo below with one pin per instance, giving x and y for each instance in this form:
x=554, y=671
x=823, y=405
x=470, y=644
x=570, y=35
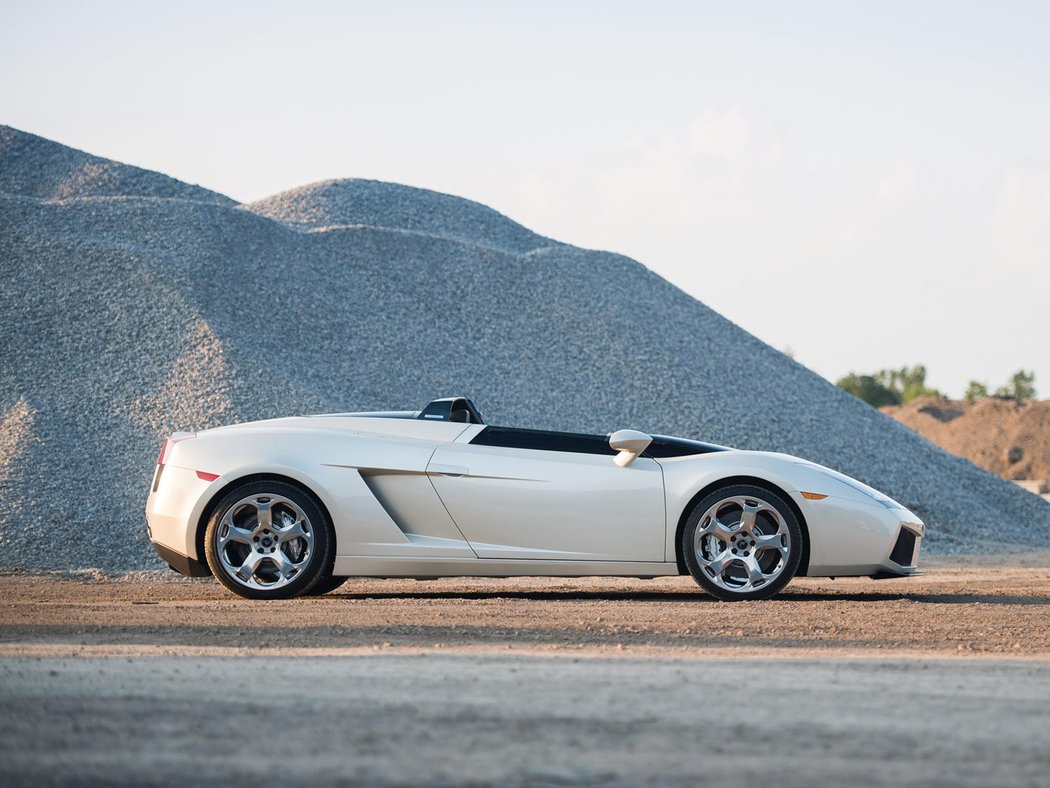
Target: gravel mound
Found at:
x=129, y=317
x=1006, y=437
x=36, y=167
x=357, y=202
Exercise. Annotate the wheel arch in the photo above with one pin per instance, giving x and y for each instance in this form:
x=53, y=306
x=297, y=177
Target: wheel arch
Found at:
x=803, y=564
x=213, y=502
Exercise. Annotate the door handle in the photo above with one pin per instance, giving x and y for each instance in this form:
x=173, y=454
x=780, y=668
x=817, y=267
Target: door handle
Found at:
x=448, y=470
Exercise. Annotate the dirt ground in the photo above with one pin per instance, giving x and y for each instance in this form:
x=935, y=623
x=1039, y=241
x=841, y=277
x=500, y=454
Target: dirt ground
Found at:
x=155, y=680
x=970, y=611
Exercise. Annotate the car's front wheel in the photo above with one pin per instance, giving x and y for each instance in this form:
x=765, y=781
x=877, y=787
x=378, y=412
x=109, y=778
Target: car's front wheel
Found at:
x=742, y=542
x=327, y=585
x=268, y=540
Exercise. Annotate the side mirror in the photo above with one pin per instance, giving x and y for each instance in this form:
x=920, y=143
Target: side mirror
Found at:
x=630, y=443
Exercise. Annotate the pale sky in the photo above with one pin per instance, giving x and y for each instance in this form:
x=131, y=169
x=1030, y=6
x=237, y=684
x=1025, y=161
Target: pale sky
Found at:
x=867, y=184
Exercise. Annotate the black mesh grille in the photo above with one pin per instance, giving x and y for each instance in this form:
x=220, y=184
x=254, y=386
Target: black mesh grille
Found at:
x=904, y=550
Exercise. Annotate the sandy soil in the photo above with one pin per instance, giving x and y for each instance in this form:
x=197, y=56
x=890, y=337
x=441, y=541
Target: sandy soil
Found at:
x=1008, y=438
x=941, y=680
x=971, y=611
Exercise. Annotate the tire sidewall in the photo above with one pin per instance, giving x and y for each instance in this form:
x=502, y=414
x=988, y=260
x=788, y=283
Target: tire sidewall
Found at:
x=320, y=563
x=774, y=499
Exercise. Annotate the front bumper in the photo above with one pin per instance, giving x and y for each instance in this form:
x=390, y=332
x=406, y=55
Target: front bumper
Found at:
x=850, y=538
x=903, y=560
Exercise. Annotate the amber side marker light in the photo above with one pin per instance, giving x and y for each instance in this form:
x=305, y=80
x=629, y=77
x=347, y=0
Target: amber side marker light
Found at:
x=813, y=496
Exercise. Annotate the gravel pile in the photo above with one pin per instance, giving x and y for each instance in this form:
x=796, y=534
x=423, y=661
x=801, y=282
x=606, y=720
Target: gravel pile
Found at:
x=357, y=202
x=126, y=317
x=37, y=167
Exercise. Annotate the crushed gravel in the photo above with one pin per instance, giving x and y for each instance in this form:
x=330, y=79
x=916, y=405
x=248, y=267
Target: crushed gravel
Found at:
x=134, y=305
x=37, y=167
x=359, y=202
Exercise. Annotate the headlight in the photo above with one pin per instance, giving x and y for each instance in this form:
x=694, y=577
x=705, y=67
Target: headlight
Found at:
x=868, y=492
x=823, y=480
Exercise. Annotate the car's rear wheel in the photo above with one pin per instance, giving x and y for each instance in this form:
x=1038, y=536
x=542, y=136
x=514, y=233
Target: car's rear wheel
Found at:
x=268, y=540
x=742, y=542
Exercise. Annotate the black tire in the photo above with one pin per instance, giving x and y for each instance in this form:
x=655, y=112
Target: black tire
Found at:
x=315, y=565
x=327, y=585
x=738, y=562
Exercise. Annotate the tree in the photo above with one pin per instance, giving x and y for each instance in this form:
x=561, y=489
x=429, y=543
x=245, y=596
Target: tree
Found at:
x=869, y=389
x=1021, y=386
x=889, y=386
x=909, y=382
x=975, y=391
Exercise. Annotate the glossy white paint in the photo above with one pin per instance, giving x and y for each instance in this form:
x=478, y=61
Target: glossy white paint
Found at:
x=630, y=444
x=550, y=505
x=415, y=498
x=850, y=532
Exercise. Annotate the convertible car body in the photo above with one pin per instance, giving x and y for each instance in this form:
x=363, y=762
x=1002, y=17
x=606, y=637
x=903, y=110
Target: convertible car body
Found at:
x=293, y=506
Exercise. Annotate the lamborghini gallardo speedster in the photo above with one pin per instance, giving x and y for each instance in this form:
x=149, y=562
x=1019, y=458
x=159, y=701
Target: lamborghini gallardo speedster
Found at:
x=293, y=506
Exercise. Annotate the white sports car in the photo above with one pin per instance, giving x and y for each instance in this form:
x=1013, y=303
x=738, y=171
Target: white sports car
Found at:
x=280, y=508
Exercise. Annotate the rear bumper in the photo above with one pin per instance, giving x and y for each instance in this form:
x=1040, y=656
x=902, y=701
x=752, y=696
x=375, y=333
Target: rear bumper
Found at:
x=180, y=563
x=172, y=511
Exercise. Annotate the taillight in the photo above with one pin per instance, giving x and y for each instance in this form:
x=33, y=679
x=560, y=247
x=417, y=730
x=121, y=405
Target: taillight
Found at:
x=171, y=441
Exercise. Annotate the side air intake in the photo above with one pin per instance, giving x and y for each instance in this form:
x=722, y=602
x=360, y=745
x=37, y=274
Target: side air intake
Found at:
x=904, y=550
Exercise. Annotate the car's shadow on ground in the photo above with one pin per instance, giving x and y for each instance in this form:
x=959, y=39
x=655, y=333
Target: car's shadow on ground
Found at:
x=930, y=599
x=790, y=596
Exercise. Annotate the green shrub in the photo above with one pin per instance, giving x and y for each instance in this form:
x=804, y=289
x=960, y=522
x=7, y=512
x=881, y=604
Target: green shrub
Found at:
x=889, y=386
x=867, y=388
x=975, y=391
x=1021, y=386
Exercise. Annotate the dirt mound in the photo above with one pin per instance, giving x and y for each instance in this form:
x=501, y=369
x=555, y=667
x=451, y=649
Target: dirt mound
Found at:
x=126, y=318
x=1006, y=437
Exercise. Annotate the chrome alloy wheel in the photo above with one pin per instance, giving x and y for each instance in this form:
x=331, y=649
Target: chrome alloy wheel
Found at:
x=742, y=543
x=264, y=541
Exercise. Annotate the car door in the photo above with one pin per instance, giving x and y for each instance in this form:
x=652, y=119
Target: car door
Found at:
x=380, y=483
x=533, y=494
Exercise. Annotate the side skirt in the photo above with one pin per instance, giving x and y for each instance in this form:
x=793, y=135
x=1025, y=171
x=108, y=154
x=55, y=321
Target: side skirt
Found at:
x=377, y=566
